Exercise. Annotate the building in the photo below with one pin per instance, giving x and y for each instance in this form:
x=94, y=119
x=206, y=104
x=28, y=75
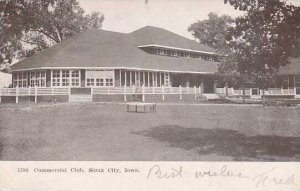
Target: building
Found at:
x=149, y=61
x=96, y=58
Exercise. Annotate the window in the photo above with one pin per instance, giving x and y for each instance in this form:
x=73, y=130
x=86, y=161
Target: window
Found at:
x=99, y=82
x=166, y=79
x=20, y=79
x=75, y=78
x=109, y=82
x=55, y=77
x=65, y=77
x=159, y=51
x=90, y=82
x=38, y=78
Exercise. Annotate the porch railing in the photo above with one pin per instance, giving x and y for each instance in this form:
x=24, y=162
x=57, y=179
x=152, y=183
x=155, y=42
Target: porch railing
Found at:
x=31, y=91
x=255, y=92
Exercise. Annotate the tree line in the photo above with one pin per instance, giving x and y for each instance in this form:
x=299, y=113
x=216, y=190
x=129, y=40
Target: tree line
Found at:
x=255, y=45
x=30, y=26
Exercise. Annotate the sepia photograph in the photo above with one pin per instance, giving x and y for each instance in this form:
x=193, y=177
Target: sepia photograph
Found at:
x=150, y=80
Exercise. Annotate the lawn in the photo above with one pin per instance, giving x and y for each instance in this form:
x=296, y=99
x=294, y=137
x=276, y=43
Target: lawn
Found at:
x=173, y=133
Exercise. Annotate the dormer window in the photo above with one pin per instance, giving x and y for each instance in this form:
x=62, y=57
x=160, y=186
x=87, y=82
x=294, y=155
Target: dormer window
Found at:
x=165, y=52
x=174, y=53
x=159, y=51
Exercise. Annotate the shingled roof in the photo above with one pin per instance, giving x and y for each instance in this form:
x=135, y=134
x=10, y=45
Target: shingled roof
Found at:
x=99, y=48
x=154, y=35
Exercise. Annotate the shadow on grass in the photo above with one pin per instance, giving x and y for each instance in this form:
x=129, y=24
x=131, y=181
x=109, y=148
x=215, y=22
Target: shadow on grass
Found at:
x=228, y=143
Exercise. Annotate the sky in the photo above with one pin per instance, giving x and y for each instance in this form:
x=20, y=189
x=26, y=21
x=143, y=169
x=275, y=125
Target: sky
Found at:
x=174, y=15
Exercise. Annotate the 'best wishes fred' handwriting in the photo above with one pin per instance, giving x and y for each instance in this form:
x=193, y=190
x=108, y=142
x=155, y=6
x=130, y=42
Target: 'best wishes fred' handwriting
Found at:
x=260, y=180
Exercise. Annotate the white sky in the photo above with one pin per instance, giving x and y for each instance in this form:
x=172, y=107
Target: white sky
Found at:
x=174, y=15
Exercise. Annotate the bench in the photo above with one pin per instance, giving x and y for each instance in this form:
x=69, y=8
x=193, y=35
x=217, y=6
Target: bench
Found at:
x=140, y=107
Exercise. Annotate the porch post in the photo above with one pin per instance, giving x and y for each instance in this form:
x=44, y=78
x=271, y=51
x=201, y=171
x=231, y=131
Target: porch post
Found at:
x=120, y=76
x=153, y=79
x=202, y=87
x=148, y=79
x=125, y=75
x=130, y=78
x=17, y=94
x=143, y=93
x=35, y=94
x=180, y=94
x=144, y=77
x=135, y=81
x=160, y=79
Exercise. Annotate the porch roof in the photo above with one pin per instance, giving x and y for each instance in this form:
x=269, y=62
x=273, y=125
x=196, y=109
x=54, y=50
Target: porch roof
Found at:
x=99, y=48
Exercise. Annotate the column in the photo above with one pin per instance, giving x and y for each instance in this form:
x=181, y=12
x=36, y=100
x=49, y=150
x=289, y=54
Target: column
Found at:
x=148, y=79
x=160, y=79
x=130, y=78
x=120, y=76
x=144, y=77
x=125, y=75
x=153, y=79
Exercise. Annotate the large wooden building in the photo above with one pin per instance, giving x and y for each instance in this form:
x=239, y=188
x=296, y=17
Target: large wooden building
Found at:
x=149, y=61
x=96, y=58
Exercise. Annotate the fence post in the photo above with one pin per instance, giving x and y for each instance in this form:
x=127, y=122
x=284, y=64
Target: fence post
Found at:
x=200, y=92
x=29, y=90
x=17, y=94
x=187, y=89
x=250, y=92
x=163, y=92
x=35, y=94
x=143, y=92
x=180, y=94
x=195, y=92
x=125, y=99
x=153, y=89
x=294, y=91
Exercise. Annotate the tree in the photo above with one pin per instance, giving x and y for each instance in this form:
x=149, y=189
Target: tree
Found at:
x=213, y=31
x=265, y=37
x=38, y=24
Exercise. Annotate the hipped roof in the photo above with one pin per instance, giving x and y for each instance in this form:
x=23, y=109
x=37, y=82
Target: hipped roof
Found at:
x=99, y=48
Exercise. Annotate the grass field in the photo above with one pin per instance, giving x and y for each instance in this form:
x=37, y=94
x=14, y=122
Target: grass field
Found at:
x=173, y=133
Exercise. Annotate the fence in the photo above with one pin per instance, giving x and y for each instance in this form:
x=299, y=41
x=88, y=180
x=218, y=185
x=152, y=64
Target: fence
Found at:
x=42, y=91
x=255, y=92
